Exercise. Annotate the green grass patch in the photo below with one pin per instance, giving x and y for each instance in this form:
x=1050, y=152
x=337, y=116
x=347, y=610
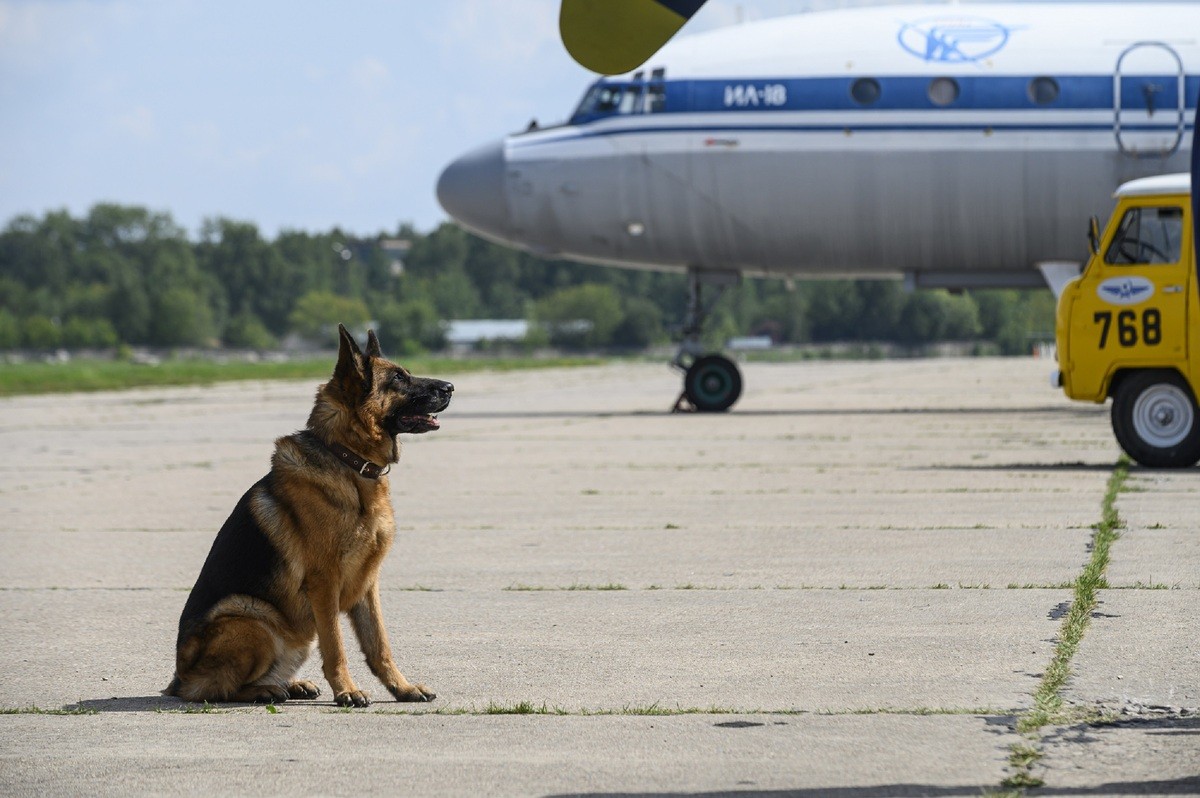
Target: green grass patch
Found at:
x=1023, y=756
x=1048, y=700
x=920, y=711
x=114, y=375
x=1022, y=780
x=32, y=710
x=519, y=708
x=203, y=708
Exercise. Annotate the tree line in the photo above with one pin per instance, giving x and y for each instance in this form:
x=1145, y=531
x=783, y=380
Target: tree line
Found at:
x=125, y=275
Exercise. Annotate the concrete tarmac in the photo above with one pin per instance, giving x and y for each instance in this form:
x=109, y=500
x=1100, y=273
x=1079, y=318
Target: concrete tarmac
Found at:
x=851, y=585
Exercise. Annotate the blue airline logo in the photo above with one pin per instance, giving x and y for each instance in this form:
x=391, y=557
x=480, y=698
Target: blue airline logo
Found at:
x=953, y=40
x=1125, y=290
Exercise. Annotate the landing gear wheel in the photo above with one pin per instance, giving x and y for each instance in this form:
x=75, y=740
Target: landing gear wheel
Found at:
x=712, y=384
x=1156, y=420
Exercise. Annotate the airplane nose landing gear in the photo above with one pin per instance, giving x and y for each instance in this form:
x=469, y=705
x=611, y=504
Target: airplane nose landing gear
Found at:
x=711, y=382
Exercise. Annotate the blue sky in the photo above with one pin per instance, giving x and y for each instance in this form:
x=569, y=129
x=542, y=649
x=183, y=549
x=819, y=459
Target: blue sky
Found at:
x=286, y=113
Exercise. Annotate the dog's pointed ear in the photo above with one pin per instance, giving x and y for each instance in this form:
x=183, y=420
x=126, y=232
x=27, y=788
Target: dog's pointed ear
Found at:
x=348, y=372
x=373, y=349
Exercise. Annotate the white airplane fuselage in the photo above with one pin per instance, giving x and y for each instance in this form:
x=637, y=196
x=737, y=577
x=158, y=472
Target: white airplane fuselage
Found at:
x=959, y=145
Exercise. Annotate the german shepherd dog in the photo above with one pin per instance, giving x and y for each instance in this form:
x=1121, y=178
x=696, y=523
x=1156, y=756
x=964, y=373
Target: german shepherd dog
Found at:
x=305, y=543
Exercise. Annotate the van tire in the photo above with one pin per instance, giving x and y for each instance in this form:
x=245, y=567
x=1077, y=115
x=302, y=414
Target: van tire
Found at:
x=1156, y=419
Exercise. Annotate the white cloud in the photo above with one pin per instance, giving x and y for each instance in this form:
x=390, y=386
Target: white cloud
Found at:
x=39, y=36
x=370, y=75
x=138, y=122
x=509, y=33
x=325, y=174
x=386, y=149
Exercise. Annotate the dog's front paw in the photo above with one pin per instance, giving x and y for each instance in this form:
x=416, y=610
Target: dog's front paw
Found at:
x=303, y=689
x=413, y=692
x=352, y=698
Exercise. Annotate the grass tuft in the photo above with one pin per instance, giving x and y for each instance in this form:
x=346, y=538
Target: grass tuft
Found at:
x=1048, y=700
x=34, y=710
x=519, y=708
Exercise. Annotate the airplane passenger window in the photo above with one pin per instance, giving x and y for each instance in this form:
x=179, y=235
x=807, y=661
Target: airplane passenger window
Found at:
x=1147, y=236
x=865, y=91
x=943, y=91
x=1043, y=91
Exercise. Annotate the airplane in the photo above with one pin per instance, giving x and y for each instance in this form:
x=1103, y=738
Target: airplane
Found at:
x=956, y=146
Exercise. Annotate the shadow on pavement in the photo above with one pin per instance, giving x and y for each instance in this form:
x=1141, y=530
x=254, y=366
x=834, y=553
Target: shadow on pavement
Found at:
x=162, y=703
x=144, y=703
x=1188, y=785
x=819, y=411
x=1052, y=467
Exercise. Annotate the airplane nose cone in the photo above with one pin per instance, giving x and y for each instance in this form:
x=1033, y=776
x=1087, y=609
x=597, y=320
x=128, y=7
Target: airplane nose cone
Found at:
x=471, y=189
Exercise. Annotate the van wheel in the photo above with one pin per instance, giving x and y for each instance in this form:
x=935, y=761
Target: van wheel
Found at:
x=1155, y=419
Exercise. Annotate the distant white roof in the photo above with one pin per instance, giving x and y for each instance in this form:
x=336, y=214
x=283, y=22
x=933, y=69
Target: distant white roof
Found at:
x=471, y=331
x=1178, y=183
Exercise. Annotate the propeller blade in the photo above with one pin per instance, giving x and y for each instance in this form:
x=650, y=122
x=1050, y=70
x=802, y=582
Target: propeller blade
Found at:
x=1196, y=176
x=615, y=36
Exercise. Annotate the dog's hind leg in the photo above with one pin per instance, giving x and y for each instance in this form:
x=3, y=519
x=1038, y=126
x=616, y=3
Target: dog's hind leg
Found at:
x=283, y=673
x=228, y=661
x=367, y=619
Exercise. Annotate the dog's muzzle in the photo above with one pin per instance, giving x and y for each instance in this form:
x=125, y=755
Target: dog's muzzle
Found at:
x=434, y=398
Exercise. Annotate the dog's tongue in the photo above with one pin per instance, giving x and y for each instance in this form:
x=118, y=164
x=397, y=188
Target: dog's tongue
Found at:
x=428, y=422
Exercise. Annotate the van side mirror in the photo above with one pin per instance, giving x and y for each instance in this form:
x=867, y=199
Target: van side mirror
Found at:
x=1094, y=235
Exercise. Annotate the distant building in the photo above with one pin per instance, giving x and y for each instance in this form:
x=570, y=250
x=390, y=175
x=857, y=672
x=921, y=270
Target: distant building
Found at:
x=396, y=249
x=466, y=333
x=750, y=342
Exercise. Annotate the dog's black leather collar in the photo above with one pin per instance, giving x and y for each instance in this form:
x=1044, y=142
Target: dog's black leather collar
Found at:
x=360, y=464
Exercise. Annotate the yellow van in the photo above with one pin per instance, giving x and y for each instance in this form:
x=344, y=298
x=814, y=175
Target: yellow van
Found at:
x=1123, y=326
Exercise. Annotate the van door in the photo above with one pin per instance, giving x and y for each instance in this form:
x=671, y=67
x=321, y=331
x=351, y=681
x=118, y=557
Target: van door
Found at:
x=1133, y=310
x=1149, y=111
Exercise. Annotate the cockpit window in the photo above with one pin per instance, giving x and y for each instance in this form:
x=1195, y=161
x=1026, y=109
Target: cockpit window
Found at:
x=608, y=99
x=597, y=97
x=605, y=98
x=656, y=97
x=1148, y=235
x=630, y=100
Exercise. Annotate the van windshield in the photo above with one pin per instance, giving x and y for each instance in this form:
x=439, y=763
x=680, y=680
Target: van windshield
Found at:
x=1147, y=236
